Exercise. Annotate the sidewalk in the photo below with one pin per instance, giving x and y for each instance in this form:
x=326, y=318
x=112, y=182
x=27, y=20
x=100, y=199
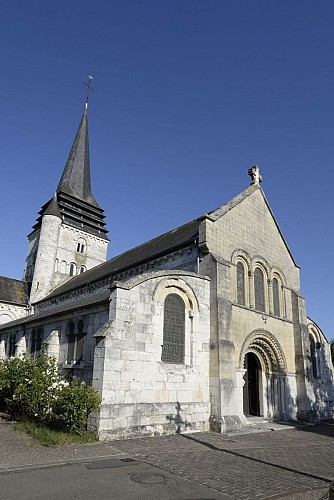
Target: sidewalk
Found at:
x=282, y=463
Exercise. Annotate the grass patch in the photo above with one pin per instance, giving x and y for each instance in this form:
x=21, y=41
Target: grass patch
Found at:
x=43, y=436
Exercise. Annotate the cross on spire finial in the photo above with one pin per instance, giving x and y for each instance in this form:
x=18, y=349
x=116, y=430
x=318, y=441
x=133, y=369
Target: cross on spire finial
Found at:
x=89, y=88
x=254, y=173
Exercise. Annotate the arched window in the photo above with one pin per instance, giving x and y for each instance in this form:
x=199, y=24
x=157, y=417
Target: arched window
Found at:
x=81, y=246
x=75, y=344
x=276, y=297
x=73, y=269
x=174, y=330
x=313, y=356
x=82, y=269
x=259, y=290
x=241, y=296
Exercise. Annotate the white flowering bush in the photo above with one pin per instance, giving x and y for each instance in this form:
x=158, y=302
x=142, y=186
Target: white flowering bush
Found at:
x=34, y=389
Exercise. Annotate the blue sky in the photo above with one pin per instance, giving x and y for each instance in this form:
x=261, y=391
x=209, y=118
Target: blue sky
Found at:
x=188, y=95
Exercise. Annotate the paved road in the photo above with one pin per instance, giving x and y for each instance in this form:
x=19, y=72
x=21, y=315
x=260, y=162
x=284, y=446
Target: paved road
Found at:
x=282, y=463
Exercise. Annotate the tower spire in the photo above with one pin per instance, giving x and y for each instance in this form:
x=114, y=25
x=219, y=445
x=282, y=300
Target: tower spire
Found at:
x=75, y=179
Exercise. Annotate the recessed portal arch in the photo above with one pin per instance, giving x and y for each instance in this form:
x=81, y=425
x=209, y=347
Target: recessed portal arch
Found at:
x=263, y=362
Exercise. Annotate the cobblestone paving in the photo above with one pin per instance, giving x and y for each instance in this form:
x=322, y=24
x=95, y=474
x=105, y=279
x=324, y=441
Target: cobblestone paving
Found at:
x=245, y=467
x=294, y=464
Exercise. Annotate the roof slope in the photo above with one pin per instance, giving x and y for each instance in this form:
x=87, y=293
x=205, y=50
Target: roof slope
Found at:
x=167, y=242
x=13, y=291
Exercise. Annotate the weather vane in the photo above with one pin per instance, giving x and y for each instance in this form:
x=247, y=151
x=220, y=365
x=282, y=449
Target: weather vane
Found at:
x=89, y=88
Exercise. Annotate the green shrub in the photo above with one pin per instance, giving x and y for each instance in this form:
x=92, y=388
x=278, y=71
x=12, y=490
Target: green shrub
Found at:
x=34, y=389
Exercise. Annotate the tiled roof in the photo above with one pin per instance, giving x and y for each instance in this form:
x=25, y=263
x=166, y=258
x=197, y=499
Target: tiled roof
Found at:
x=177, y=238
x=13, y=291
x=99, y=297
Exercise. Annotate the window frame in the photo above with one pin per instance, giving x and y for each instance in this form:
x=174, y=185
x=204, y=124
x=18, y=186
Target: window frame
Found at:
x=73, y=269
x=241, y=264
x=75, y=343
x=167, y=354
x=263, y=289
x=36, y=342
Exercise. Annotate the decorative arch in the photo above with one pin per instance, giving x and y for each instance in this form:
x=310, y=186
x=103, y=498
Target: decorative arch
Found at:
x=314, y=332
x=267, y=348
x=179, y=287
x=240, y=254
x=5, y=317
x=276, y=272
x=260, y=262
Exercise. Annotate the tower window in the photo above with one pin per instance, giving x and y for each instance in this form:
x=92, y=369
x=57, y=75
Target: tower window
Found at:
x=73, y=269
x=82, y=269
x=174, y=330
x=80, y=247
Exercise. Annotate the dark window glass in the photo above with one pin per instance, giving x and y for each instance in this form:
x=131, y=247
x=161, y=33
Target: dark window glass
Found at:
x=240, y=284
x=36, y=342
x=75, y=342
x=11, y=345
x=259, y=290
x=71, y=342
x=276, y=297
x=174, y=330
x=313, y=357
x=80, y=342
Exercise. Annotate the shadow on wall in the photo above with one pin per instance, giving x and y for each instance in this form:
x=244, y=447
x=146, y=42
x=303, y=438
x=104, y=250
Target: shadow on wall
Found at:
x=177, y=419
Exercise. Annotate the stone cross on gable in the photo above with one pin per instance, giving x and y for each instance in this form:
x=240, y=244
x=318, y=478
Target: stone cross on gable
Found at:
x=254, y=173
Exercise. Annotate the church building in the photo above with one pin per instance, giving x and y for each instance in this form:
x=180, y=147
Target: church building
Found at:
x=201, y=328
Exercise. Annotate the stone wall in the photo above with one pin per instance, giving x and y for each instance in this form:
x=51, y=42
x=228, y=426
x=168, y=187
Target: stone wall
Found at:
x=141, y=395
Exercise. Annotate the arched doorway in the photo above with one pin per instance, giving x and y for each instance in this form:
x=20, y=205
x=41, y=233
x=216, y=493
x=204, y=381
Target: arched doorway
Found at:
x=265, y=385
x=252, y=385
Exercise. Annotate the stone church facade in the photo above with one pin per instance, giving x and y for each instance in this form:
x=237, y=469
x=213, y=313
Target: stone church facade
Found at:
x=200, y=328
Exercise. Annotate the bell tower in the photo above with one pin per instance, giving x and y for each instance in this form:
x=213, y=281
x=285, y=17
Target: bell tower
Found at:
x=69, y=236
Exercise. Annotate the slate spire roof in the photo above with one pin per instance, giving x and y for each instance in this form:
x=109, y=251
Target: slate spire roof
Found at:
x=75, y=179
x=73, y=200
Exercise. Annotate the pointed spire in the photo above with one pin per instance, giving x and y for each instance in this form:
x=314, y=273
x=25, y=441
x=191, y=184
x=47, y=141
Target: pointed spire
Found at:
x=75, y=179
x=73, y=200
